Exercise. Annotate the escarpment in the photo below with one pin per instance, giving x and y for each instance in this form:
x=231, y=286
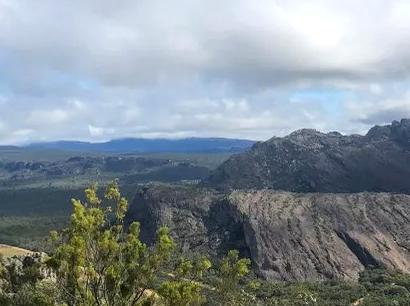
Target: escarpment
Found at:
x=288, y=236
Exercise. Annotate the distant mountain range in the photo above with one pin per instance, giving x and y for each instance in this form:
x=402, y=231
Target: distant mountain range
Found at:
x=141, y=145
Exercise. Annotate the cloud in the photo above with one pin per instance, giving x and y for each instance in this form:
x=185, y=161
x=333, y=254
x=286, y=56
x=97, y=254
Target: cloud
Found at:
x=100, y=69
x=97, y=132
x=384, y=108
x=47, y=118
x=140, y=42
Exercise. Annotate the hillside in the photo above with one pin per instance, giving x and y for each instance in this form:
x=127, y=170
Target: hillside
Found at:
x=288, y=236
x=311, y=161
x=9, y=251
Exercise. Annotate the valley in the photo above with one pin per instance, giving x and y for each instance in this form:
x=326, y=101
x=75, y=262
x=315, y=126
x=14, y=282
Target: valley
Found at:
x=36, y=184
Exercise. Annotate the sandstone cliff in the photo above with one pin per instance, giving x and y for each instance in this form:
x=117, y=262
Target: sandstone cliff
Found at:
x=288, y=236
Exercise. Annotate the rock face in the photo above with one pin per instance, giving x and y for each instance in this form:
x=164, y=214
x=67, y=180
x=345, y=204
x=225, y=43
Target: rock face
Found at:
x=316, y=236
x=198, y=218
x=288, y=236
x=310, y=161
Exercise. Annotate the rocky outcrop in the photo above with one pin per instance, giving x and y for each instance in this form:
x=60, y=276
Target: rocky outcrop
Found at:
x=198, y=218
x=310, y=161
x=319, y=236
x=288, y=236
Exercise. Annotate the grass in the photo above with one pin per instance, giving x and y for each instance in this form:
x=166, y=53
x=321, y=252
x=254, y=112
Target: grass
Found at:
x=10, y=251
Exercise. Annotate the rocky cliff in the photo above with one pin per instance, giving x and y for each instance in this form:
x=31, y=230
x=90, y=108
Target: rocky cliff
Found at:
x=310, y=161
x=288, y=236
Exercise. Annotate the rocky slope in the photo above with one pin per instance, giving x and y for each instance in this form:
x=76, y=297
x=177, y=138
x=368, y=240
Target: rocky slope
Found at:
x=310, y=161
x=288, y=236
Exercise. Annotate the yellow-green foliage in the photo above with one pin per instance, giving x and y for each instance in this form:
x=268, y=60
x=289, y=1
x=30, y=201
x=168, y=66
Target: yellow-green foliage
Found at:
x=231, y=271
x=97, y=262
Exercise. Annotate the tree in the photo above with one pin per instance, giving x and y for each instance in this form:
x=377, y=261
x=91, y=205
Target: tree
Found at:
x=186, y=286
x=230, y=273
x=97, y=262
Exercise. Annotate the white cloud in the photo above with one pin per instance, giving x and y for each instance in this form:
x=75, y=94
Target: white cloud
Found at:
x=40, y=118
x=98, y=132
x=77, y=104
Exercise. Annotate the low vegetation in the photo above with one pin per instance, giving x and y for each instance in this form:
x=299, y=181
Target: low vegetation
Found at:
x=375, y=287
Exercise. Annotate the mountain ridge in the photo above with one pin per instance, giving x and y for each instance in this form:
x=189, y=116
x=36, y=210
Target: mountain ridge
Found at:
x=146, y=145
x=310, y=161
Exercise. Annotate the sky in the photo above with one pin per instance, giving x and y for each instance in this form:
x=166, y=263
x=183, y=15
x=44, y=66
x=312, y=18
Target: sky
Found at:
x=101, y=69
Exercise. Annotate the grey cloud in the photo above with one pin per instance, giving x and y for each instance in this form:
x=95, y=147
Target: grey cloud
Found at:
x=241, y=41
x=380, y=117
x=102, y=69
x=388, y=103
